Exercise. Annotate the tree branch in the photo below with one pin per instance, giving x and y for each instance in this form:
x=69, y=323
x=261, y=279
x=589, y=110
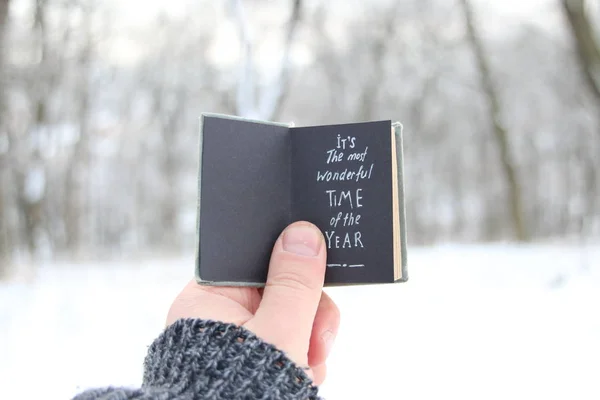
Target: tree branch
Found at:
x=588, y=48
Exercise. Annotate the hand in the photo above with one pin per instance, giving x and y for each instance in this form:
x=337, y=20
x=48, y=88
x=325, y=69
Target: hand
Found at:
x=292, y=312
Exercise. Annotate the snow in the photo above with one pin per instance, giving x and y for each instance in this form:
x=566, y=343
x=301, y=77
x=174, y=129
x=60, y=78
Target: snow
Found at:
x=493, y=322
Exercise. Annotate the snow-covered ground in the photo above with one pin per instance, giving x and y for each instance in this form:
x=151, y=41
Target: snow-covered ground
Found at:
x=474, y=322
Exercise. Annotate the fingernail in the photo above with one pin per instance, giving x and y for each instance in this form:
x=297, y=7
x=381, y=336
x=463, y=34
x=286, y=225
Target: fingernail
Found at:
x=302, y=240
x=328, y=338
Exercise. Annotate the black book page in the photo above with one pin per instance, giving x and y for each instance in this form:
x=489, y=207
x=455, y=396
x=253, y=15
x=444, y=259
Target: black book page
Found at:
x=244, y=197
x=342, y=182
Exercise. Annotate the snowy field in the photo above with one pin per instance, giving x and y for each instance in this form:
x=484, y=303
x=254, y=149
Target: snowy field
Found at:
x=494, y=322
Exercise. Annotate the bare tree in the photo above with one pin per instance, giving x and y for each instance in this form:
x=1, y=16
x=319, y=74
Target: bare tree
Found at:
x=586, y=42
x=32, y=173
x=76, y=189
x=168, y=106
x=268, y=106
x=588, y=51
x=3, y=21
x=507, y=162
x=378, y=52
x=4, y=236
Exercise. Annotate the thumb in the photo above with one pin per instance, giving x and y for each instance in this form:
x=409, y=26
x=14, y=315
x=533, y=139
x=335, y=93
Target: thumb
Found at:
x=291, y=297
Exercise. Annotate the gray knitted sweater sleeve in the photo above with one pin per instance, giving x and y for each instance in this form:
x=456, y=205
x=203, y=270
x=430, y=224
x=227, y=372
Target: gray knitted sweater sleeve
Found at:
x=197, y=360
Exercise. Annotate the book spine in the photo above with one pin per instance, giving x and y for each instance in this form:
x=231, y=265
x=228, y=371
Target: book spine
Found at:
x=198, y=201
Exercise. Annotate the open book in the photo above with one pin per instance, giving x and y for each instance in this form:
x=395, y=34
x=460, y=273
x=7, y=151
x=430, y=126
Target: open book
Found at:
x=257, y=177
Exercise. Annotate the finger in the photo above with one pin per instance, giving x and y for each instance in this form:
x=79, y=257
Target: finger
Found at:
x=324, y=331
x=319, y=374
x=292, y=293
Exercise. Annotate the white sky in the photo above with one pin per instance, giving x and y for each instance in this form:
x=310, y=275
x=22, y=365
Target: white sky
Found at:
x=139, y=12
x=498, y=16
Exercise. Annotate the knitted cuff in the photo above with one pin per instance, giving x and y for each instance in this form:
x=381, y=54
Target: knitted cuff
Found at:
x=214, y=360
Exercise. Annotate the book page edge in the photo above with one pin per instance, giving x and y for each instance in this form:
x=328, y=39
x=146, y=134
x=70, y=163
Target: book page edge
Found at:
x=398, y=129
x=397, y=256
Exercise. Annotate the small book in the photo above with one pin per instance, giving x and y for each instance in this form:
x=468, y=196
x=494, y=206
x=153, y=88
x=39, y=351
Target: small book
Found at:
x=257, y=177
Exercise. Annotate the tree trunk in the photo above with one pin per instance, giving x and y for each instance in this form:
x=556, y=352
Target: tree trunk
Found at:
x=31, y=206
x=507, y=163
x=3, y=21
x=269, y=105
x=273, y=100
x=76, y=188
x=370, y=91
x=584, y=36
x=170, y=120
x=5, y=245
x=588, y=52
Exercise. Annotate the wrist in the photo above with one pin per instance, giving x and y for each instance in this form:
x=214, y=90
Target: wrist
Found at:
x=224, y=361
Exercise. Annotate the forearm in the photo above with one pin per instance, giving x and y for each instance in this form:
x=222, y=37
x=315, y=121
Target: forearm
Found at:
x=196, y=359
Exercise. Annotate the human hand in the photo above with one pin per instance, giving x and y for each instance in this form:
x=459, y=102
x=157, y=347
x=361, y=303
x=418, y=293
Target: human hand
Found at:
x=291, y=312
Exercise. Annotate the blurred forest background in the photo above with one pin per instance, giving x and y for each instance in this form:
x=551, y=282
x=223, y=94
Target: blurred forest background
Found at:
x=99, y=114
